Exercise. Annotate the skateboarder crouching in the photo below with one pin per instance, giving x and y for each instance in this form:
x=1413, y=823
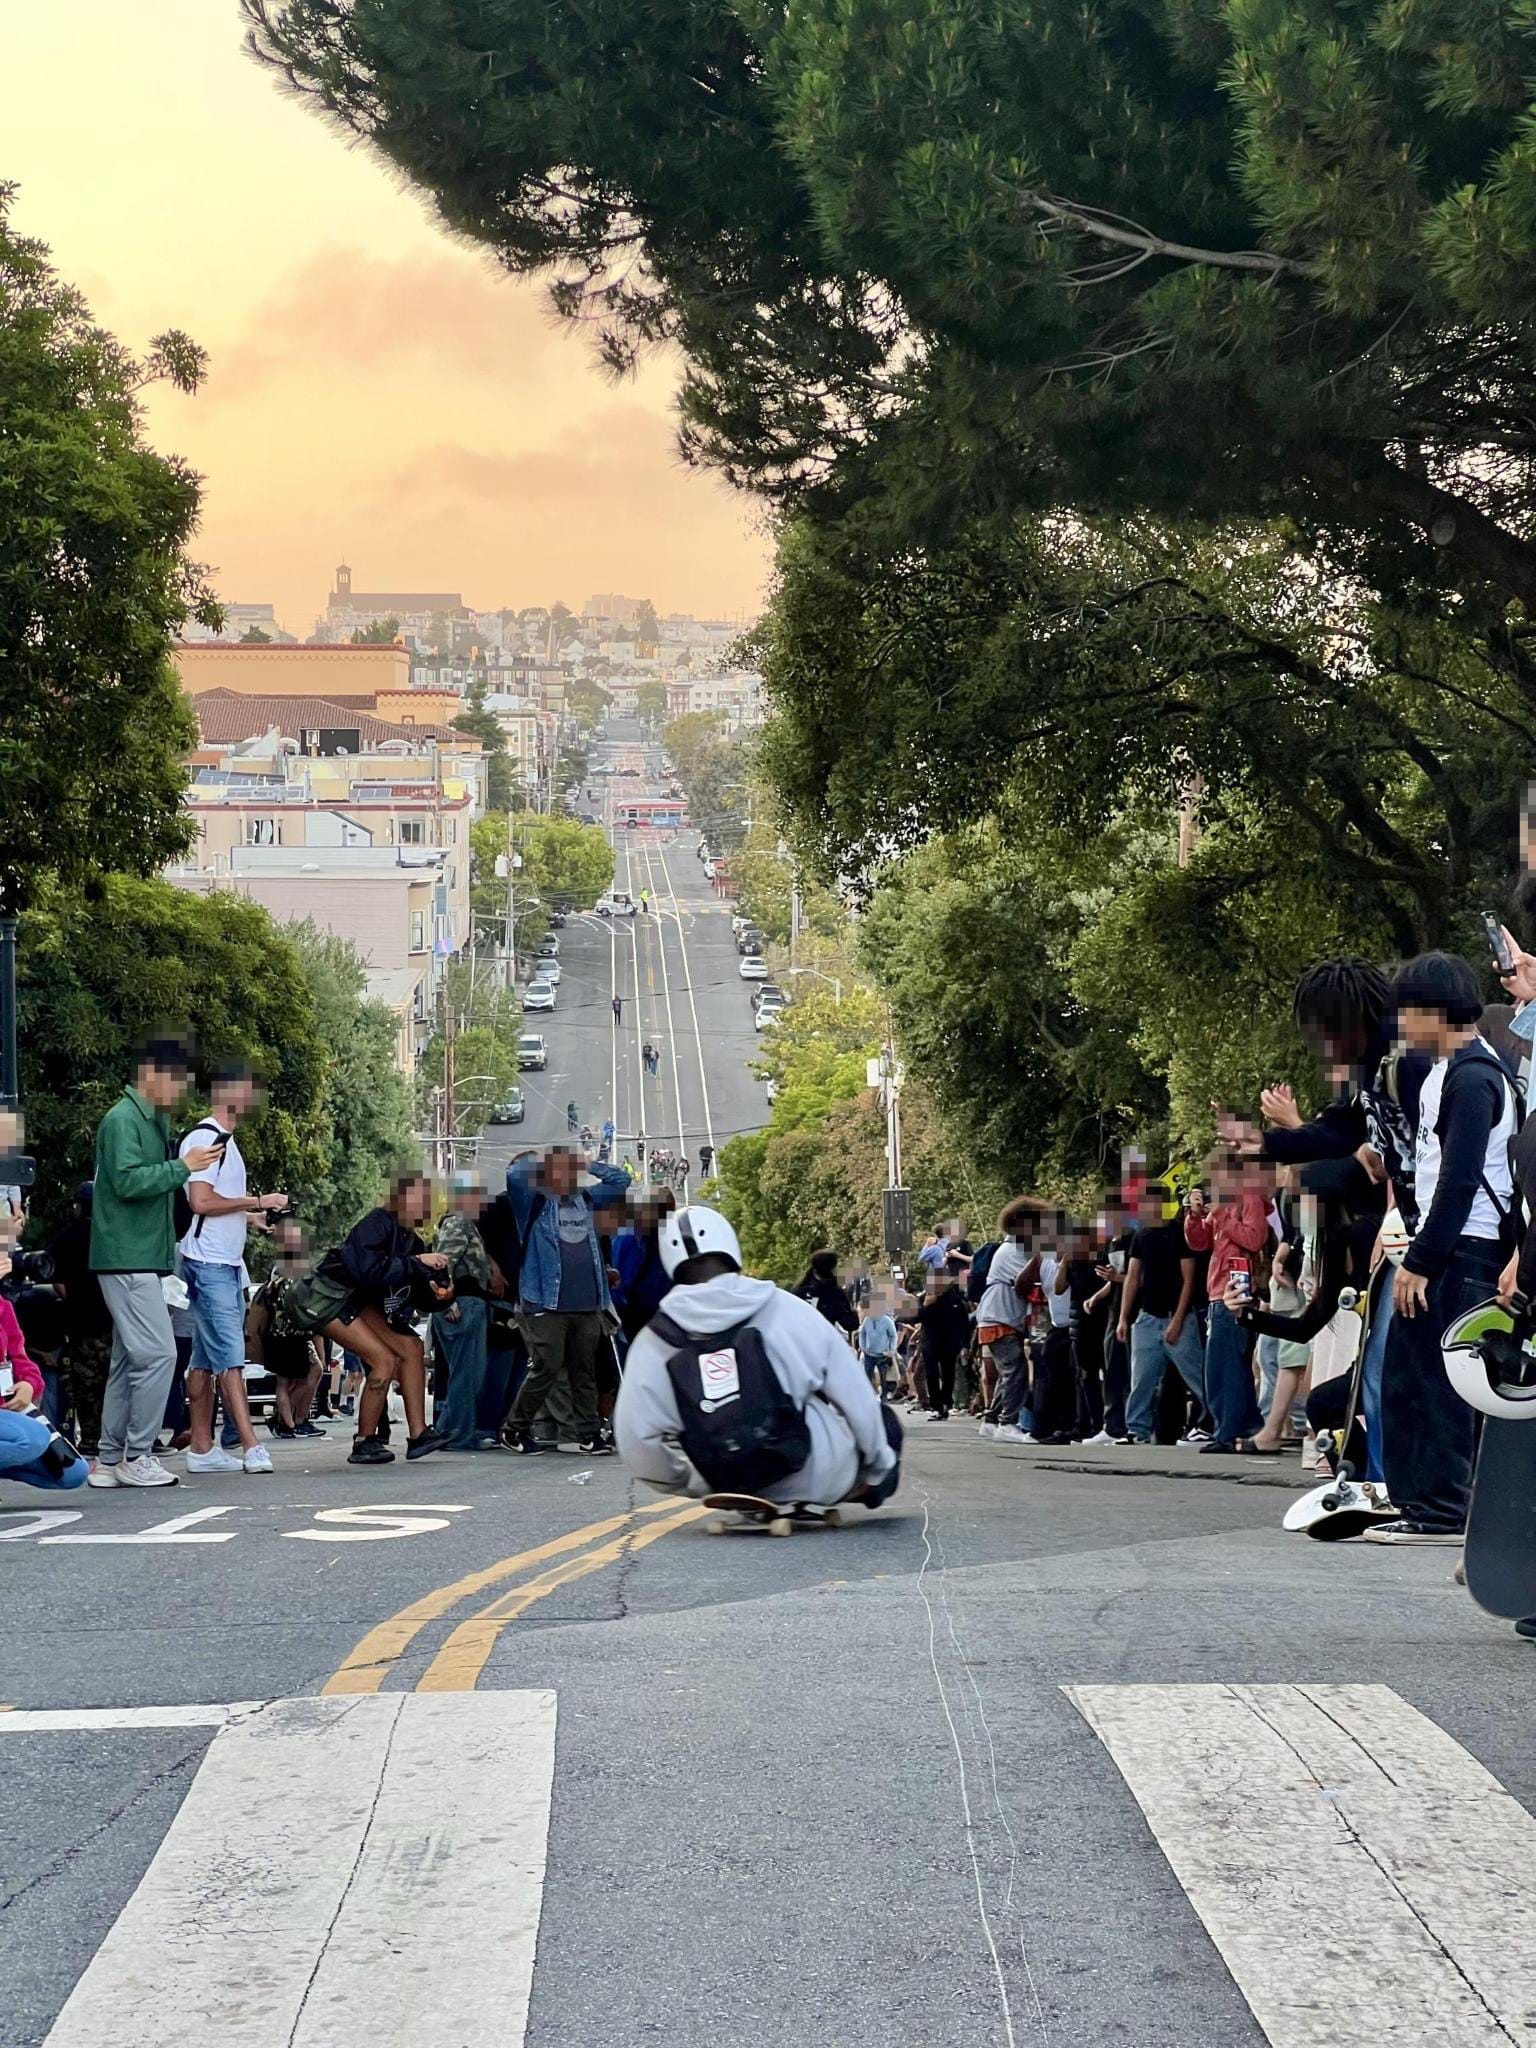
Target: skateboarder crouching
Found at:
x=752, y=1381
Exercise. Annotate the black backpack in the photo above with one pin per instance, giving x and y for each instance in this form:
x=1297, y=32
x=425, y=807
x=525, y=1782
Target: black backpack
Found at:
x=182, y=1217
x=981, y=1266
x=740, y=1429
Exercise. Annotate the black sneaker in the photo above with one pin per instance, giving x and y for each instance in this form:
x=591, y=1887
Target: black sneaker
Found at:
x=306, y=1429
x=348, y=1406
x=597, y=1447
x=424, y=1445
x=368, y=1450
x=1527, y=1629
x=280, y=1428
x=530, y=1445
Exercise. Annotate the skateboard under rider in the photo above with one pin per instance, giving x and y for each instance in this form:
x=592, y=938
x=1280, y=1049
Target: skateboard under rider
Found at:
x=779, y=1518
x=1491, y=1359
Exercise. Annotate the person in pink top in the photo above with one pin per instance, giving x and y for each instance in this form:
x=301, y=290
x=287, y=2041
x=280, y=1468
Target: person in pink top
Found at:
x=1239, y=1226
x=29, y=1449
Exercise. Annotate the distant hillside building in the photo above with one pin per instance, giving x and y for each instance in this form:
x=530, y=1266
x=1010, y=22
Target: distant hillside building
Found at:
x=347, y=609
x=240, y=619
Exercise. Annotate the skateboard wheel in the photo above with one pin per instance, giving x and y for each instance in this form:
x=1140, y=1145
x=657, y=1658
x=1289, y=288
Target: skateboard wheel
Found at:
x=781, y=1525
x=717, y=1525
x=1330, y=1501
x=833, y=1519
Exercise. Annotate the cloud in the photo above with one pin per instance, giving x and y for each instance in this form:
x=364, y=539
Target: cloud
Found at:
x=342, y=314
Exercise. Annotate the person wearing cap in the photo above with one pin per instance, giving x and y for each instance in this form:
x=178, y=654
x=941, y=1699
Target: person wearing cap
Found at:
x=461, y=1332
x=1469, y=1111
x=133, y=1247
x=565, y=1311
x=855, y=1438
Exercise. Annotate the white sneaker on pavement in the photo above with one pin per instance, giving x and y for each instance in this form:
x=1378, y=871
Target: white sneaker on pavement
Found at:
x=215, y=1460
x=145, y=1471
x=258, y=1459
x=1103, y=1437
x=987, y=1429
x=102, y=1475
x=1010, y=1433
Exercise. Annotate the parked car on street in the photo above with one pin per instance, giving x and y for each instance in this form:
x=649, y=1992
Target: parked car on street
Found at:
x=770, y=992
x=532, y=1050
x=539, y=995
x=754, y=968
x=511, y=1109
x=751, y=939
x=548, y=969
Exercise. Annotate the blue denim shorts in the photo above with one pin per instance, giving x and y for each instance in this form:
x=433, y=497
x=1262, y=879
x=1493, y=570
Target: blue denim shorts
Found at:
x=218, y=1316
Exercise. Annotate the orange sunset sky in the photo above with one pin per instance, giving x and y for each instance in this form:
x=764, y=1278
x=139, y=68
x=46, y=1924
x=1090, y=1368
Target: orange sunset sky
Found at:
x=377, y=393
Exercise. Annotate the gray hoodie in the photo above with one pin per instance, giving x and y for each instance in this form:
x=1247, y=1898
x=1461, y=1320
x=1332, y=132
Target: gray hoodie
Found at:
x=810, y=1358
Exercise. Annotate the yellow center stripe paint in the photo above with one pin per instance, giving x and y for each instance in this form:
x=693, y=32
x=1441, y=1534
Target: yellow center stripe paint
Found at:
x=458, y=1664
x=370, y=1662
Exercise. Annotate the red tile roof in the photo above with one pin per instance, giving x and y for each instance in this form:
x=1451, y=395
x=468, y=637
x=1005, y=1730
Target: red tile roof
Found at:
x=226, y=717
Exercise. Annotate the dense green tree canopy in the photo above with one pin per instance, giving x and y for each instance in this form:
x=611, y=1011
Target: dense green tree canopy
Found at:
x=94, y=586
x=1151, y=254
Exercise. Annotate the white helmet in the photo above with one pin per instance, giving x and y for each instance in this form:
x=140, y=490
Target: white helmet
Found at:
x=1490, y=1364
x=690, y=1232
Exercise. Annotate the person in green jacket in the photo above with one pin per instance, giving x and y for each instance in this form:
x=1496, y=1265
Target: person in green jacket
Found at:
x=133, y=1245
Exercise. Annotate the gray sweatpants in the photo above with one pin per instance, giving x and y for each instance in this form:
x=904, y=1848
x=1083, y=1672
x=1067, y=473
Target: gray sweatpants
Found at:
x=143, y=1365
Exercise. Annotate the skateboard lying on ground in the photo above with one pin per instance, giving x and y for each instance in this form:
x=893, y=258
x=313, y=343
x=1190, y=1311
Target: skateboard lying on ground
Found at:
x=749, y=1511
x=1501, y=1523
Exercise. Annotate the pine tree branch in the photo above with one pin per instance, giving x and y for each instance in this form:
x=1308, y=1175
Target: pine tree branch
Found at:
x=1124, y=234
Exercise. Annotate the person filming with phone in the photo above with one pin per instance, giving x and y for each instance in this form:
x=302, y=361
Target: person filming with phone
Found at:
x=213, y=1265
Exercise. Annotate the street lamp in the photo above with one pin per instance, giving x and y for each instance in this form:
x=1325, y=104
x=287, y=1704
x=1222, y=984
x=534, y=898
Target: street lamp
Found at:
x=837, y=986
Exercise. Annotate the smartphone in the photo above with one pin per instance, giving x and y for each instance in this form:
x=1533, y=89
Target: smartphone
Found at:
x=1498, y=945
x=7, y=1379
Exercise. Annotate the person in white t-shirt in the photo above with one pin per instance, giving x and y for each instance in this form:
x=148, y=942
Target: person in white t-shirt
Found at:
x=213, y=1266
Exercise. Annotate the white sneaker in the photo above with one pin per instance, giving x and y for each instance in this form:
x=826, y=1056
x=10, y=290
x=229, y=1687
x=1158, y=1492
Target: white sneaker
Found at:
x=258, y=1459
x=215, y=1460
x=102, y=1475
x=1103, y=1437
x=1010, y=1433
x=987, y=1429
x=145, y=1471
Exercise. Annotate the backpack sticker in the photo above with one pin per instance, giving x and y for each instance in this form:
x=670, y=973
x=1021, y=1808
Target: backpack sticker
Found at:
x=719, y=1379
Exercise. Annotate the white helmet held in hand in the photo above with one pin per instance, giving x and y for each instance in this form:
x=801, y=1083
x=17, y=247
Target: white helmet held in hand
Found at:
x=1491, y=1362
x=690, y=1232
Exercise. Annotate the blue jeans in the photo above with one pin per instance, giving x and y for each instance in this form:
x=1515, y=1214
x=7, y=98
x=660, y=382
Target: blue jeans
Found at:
x=460, y=1341
x=23, y=1440
x=1229, y=1376
x=1150, y=1352
x=1382, y=1313
x=217, y=1296
x=1428, y=1433
x=1269, y=1367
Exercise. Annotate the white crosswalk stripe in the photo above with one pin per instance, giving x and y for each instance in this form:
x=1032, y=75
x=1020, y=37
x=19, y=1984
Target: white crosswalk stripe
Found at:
x=1363, y=1877
x=362, y=1872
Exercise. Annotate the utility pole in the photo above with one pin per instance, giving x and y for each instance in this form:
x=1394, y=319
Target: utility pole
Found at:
x=886, y=1071
x=794, y=922
x=448, y=1035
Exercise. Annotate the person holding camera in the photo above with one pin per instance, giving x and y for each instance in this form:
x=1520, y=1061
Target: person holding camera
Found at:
x=213, y=1267
x=366, y=1296
x=133, y=1248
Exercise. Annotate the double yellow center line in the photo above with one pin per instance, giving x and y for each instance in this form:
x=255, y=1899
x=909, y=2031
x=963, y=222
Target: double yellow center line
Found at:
x=458, y=1664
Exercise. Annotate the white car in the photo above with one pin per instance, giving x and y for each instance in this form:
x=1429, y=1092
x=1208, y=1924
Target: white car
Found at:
x=531, y=1050
x=765, y=1017
x=548, y=969
x=616, y=904
x=753, y=967
x=739, y=924
x=539, y=995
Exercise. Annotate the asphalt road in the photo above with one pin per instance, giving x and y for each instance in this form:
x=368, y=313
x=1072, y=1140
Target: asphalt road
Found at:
x=832, y=1791
x=677, y=974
